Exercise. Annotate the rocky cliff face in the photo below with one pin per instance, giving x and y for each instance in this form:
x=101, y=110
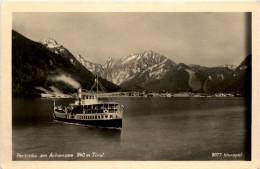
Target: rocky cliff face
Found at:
x=150, y=63
x=93, y=67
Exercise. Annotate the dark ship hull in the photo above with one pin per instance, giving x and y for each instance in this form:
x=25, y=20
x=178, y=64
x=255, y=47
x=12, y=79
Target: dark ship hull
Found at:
x=113, y=123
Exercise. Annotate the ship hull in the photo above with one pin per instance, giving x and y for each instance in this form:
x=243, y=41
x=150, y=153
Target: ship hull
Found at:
x=114, y=123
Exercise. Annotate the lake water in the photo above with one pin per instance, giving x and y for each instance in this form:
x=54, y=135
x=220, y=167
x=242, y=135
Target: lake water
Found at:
x=153, y=129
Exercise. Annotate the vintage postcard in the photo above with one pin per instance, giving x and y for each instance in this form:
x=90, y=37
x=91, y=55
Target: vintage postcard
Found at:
x=129, y=85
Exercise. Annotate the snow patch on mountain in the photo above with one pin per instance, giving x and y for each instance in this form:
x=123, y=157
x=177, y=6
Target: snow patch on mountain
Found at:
x=110, y=63
x=94, y=68
x=50, y=43
x=230, y=66
x=133, y=65
x=54, y=46
x=127, y=60
x=220, y=76
x=243, y=67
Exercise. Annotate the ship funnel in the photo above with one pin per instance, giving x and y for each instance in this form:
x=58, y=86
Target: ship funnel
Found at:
x=80, y=93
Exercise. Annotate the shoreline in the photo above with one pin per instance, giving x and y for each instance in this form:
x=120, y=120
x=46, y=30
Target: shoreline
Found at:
x=151, y=97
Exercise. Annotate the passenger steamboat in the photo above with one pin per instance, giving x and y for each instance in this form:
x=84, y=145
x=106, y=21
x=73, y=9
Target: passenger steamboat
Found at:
x=88, y=109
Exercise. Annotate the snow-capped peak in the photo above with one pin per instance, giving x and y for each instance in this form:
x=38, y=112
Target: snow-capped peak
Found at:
x=50, y=43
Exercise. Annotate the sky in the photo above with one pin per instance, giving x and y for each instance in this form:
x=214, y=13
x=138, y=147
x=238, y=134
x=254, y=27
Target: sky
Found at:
x=208, y=39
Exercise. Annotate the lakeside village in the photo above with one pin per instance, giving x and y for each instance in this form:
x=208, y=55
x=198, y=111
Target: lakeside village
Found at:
x=141, y=94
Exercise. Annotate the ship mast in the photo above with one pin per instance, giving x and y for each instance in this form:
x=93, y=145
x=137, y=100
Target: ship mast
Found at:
x=101, y=86
x=97, y=84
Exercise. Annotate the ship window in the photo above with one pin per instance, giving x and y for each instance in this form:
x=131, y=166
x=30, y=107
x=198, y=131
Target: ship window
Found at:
x=102, y=117
x=95, y=117
x=106, y=116
x=111, y=116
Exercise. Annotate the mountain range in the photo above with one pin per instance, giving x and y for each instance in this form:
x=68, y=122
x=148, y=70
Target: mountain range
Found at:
x=146, y=71
x=46, y=65
x=154, y=72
